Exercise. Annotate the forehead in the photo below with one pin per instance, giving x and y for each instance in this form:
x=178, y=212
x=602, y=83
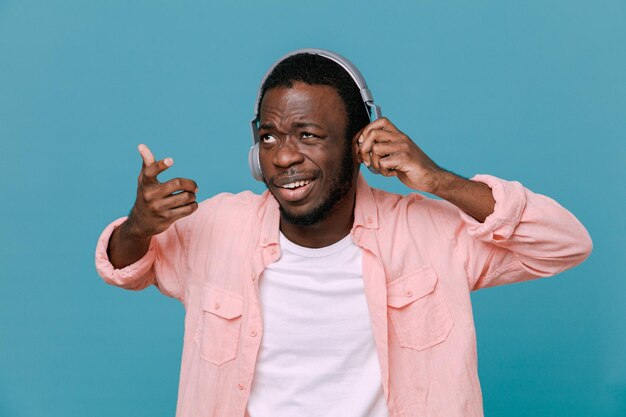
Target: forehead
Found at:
x=303, y=101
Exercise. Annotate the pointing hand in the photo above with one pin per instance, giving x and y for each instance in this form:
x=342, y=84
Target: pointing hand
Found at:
x=158, y=205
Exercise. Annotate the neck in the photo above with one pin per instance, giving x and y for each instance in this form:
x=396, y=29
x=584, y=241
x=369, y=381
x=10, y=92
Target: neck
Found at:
x=332, y=229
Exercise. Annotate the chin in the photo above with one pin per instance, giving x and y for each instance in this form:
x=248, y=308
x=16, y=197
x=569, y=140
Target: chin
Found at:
x=301, y=217
x=309, y=216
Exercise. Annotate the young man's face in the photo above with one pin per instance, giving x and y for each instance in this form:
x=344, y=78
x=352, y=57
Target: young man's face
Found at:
x=306, y=160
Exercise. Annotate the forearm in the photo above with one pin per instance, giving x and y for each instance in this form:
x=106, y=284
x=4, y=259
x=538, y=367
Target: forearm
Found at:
x=472, y=197
x=125, y=248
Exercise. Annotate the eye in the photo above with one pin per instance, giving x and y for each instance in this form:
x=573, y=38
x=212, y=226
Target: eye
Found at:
x=307, y=135
x=268, y=138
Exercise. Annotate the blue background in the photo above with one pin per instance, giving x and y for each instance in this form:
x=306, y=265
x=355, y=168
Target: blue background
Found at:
x=533, y=91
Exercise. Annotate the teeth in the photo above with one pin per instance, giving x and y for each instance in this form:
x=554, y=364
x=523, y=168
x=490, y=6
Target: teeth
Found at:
x=296, y=184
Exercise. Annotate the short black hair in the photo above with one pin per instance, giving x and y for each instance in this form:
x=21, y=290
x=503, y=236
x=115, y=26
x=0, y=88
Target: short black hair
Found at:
x=315, y=69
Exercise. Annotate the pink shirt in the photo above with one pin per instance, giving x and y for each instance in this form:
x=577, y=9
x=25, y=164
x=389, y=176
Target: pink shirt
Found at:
x=421, y=259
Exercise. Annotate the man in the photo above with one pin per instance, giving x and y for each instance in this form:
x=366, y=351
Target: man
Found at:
x=323, y=296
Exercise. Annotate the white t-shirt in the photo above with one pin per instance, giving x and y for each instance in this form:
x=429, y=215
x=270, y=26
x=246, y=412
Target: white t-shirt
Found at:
x=317, y=355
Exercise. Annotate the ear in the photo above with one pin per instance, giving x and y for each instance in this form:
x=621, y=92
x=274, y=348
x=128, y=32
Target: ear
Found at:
x=355, y=147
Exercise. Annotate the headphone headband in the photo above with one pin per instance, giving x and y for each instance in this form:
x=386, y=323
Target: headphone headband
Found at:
x=368, y=100
x=349, y=67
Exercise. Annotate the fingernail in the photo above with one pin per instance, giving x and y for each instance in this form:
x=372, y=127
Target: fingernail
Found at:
x=367, y=164
x=196, y=190
x=360, y=139
x=168, y=161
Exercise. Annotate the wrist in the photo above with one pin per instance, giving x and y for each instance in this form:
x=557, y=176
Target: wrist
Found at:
x=444, y=184
x=131, y=231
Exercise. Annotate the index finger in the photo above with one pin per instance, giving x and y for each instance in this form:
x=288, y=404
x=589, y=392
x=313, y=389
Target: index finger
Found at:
x=150, y=168
x=150, y=172
x=379, y=124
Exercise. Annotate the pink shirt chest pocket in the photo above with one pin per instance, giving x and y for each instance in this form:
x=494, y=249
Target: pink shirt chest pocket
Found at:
x=220, y=325
x=417, y=309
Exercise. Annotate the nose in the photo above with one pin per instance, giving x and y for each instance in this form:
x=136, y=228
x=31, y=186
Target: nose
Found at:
x=288, y=154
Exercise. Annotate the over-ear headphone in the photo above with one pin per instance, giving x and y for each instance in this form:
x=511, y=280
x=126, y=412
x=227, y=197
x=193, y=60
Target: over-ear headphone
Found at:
x=372, y=109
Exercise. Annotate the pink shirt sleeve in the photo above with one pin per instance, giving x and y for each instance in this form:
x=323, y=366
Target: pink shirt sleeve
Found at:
x=164, y=265
x=527, y=236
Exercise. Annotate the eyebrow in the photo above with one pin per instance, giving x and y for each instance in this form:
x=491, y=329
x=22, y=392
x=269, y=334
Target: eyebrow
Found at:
x=269, y=126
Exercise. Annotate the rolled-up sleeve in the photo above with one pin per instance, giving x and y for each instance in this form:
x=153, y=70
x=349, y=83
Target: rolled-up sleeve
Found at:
x=135, y=276
x=164, y=265
x=527, y=236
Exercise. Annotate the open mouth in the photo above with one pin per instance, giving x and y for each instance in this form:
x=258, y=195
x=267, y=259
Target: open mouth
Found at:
x=295, y=184
x=296, y=190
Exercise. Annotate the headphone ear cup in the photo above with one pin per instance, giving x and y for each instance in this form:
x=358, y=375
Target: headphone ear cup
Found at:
x=255, y=163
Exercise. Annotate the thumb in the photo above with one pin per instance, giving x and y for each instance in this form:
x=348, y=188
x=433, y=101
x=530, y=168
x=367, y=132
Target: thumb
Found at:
x=146, y=154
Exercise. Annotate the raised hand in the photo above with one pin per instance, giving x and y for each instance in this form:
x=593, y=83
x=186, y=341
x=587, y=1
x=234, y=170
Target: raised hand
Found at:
x=158, y=205
x=392, y=153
